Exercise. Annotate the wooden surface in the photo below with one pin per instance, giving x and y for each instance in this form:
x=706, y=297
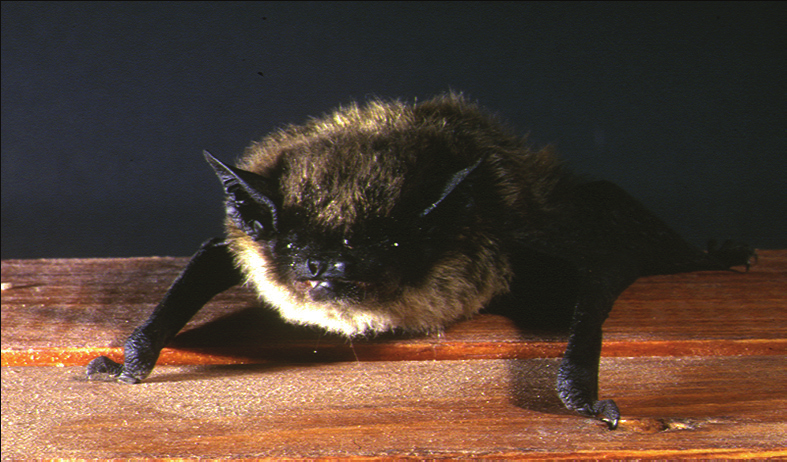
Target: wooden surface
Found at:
x=696, y=362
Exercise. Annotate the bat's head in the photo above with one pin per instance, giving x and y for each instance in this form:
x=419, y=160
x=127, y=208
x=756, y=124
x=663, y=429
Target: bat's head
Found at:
x=371, y=219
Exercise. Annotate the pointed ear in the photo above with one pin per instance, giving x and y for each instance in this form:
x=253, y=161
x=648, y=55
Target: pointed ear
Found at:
x=452, y=183
x=248, y=206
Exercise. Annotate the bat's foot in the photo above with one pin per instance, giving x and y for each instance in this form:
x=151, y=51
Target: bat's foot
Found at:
x=605, y=410
x=576, y=388
x=731, y=253
x=104, y=365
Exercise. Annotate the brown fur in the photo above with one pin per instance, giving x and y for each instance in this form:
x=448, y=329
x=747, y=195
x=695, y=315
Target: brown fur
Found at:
x=359, y=163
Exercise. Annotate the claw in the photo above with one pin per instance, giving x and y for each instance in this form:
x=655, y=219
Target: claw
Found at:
x=607, y=411
x=126, y=378
x=103, y=365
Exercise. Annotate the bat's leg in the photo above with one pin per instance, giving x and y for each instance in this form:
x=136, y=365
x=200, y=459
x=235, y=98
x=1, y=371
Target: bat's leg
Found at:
x=613, y=239
x=628, y=225
x=577, y=382
x=209, y=272
x=599, y=287
x=678, y=256
x=731, y=253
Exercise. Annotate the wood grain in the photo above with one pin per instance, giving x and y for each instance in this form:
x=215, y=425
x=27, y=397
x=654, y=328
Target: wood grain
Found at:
x=692, y=407
x=67, y=311
x=697, y=363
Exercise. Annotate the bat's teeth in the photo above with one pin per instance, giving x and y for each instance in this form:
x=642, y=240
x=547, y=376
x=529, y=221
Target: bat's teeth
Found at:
x=308, y=285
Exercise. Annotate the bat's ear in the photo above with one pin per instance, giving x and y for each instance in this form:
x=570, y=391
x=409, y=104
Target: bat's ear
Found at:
x=455, y=180
x=248, y=206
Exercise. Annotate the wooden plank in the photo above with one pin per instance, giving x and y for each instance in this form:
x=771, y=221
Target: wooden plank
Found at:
x=672, y=407
x=64, y=312
x=696, y=363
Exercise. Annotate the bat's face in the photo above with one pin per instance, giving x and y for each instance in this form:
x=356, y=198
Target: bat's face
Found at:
x=362, y=228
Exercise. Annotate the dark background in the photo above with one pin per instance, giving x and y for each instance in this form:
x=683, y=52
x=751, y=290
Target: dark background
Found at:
x=106, y=107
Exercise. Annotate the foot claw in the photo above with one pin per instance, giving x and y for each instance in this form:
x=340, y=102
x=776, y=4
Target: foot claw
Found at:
x=103, y=365
x=607, y=411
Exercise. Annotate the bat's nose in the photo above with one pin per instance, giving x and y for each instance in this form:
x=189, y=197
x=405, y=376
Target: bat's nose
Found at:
x=326, y=268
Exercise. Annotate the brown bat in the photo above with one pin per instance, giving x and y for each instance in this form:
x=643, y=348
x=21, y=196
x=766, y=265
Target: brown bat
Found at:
x=409, y=217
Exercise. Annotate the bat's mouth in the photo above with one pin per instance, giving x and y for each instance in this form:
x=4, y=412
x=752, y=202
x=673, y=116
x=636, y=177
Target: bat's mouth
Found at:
x=324, y=290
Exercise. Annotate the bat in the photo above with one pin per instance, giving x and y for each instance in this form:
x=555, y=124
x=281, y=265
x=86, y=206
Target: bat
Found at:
x=395, y=216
